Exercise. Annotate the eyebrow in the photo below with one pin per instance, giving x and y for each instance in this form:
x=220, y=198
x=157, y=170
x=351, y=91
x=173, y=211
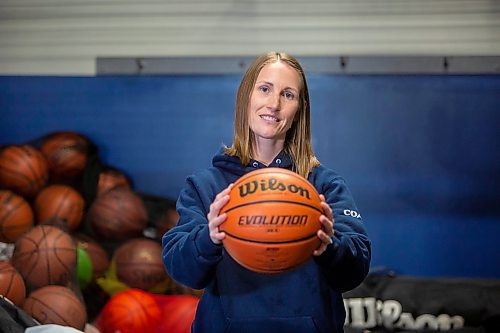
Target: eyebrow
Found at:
x=271, y=84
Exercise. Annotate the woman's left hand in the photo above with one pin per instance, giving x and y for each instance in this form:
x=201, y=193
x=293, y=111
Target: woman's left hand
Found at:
x=325, y=234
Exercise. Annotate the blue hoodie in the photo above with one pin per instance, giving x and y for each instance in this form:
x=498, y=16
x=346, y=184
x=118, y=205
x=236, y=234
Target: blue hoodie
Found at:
x=306, y=299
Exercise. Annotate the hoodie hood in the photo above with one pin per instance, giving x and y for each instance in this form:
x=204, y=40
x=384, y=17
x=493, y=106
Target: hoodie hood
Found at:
x=232, y=164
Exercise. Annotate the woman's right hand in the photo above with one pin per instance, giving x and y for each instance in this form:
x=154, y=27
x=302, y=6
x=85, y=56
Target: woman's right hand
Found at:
x=214, y=219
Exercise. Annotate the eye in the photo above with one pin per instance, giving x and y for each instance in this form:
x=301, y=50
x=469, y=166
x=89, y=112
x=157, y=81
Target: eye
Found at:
x=264, y=89
x=289, y=95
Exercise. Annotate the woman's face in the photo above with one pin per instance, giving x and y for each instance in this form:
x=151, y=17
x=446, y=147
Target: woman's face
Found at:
x=274, y=102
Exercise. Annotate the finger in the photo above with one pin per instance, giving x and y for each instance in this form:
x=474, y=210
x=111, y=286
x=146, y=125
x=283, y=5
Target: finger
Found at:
x=320, y=250
x=326, y=225
x=224, y=194
x=213, y=226
x=327, y=210
x=324, y=237
x=325, y=241
x=225, y=191
x=219, y=236
x=221, y=196
x=218, y=220
x=216, y=206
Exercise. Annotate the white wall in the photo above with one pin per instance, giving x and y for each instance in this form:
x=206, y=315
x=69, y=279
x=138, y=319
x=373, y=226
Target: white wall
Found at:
x=57, y=37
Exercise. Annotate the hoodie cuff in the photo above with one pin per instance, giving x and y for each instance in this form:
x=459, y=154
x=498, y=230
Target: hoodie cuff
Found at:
x=328, y=257
x=207, y=248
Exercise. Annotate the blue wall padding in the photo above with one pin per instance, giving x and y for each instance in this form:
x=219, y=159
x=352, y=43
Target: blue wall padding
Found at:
x=420, y=153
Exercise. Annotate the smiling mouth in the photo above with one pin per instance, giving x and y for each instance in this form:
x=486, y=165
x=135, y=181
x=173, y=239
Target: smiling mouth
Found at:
x=269, y=118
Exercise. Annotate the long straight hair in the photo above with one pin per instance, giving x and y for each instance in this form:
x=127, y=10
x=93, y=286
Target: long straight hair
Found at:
x=298, y=137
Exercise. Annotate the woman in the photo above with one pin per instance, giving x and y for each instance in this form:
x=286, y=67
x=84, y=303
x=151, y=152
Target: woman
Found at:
x=272, y=129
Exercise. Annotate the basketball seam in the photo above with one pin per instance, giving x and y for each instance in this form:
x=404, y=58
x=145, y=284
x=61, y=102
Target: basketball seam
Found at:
x=38, y=177
x=12, y=210
x=47, y=307
x=274, y=201
x=15, y=173
x=18, y=256
x=262, y=172
x=270, y=241
x=144, y=309
x=17, y=155
x=3, y=219
x=61, y=203
x=62, y=262
x=268, y=171
x=46, y=257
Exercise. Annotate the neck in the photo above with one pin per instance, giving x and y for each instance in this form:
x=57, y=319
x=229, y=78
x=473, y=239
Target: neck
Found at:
x=265, y=152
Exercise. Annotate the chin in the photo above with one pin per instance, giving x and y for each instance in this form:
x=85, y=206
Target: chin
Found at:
x=269, y=136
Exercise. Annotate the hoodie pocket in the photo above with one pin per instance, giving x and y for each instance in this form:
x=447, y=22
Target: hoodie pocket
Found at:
x=304, y=324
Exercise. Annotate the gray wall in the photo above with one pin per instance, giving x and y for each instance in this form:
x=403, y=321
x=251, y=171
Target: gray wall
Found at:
x=58, y=37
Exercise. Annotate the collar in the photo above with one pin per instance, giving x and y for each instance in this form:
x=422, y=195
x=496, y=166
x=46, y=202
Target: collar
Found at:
x=282, y=160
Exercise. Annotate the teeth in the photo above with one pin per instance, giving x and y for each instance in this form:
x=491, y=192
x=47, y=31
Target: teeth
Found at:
x=270, y=118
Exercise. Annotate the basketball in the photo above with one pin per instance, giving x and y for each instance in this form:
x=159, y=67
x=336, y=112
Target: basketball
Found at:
x=56, y=305
x=272, y=220
x=23, y=169
x=66, y=153
x=130, y=311
x=45, y=255
x=111, y=178
x=16, y=216
x=59, y=204
x=97, y=255
x=12, y=284
x=118, y=214
x=166, y=221
x=139, y=264
x=178, y=312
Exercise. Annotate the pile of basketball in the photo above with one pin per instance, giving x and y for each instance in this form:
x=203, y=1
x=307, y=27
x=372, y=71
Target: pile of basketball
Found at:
x=37, y=216
x=63, y=239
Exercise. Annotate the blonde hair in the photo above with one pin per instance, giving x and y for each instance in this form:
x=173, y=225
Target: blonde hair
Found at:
x=298, y=138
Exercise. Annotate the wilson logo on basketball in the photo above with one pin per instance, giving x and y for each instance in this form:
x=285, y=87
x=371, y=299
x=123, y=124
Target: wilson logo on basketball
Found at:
x=273, y=185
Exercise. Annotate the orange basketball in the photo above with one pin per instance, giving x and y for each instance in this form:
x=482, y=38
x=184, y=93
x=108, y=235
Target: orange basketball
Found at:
x=178, y=312
x=118, y=214
x=45, y=255
x=272, y=220
x=16, y=216
x=11, y=283
x=166, y=221
x=23, y=169
x=111, y=178
x=59, y=205
x=56, y=305
x=130, y=311
x=139, y=264
x=66, y=153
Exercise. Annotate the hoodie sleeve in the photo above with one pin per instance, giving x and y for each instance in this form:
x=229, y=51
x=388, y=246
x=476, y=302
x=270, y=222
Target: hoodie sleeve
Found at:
x=189, y=254
x=346, y=262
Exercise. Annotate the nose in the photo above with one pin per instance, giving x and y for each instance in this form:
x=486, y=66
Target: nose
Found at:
x=275, y=101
